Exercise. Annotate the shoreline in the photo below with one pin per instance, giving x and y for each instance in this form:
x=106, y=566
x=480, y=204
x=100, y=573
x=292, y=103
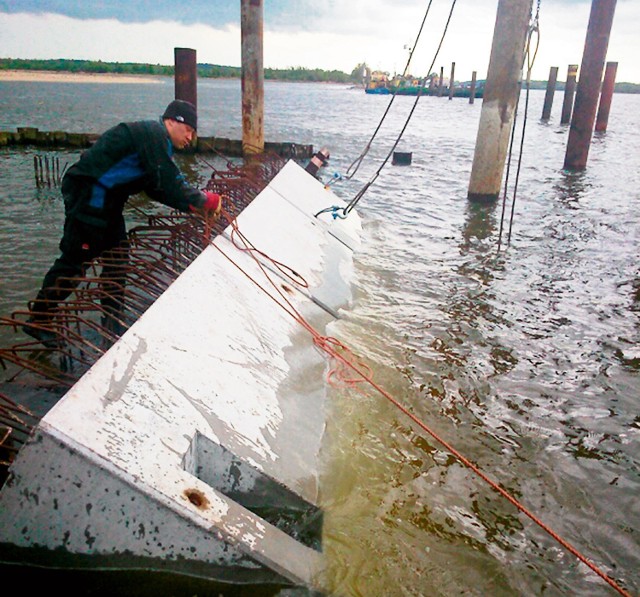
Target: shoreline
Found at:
x=43, y=76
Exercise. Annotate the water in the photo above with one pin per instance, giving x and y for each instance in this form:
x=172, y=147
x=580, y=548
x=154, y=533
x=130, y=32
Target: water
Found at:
x=525, y=360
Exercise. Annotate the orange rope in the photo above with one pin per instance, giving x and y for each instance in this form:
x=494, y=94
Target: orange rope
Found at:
x=337, y=350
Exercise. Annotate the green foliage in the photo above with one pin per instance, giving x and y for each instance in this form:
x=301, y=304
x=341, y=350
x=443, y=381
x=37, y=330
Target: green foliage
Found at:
x=204, y=70
x=626, y=88
x=216, y=71
x=358, y=73
x=618, y=87
x=85, y=66
x=304, y=74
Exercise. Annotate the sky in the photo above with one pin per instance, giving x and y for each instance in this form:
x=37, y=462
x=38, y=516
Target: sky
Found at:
x=333, y=34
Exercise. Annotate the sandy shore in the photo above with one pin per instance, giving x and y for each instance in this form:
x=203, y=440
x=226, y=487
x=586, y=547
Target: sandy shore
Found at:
x=64, y=77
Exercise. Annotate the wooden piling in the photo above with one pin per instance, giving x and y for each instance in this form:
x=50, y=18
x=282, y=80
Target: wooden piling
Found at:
x=500, y=98
x=441, y=82
x=588, y=89
x=605, y=96
x=452, y=79
x=251, y=21
x=569, y=91
x=548, y=96
x=472, y=91
x=186, y=75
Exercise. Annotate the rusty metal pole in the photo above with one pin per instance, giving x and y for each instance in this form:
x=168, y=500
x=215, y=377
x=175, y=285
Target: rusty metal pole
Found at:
x=500, y=99
x=569, y=91
x=584, y=110
x=451, y=79
x=432, y=84
x=186, y=75
x=548, y=96
x=472, y=91
x=252, y=77
x=605, y=96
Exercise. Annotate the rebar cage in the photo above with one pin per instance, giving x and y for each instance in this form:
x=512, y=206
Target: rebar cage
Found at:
x=117, y=288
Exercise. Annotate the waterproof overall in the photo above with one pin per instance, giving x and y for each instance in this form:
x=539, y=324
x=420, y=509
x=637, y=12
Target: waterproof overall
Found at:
x=127, y=159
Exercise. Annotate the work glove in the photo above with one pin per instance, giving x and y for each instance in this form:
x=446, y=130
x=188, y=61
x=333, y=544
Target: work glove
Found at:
x=213, y=203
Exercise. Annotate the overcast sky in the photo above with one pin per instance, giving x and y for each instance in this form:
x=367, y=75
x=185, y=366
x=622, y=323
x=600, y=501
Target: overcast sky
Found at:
x=333, y=34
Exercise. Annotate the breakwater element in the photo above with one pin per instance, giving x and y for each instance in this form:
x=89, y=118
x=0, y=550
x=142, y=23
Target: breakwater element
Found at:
x=200, y=433
x=32, y=136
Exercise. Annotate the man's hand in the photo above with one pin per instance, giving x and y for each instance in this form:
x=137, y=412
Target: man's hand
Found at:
x=212, y=207
x=212, y=204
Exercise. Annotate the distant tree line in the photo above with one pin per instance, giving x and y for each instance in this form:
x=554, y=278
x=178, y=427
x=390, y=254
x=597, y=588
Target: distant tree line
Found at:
x=204, y=70
x=85, y=66
x=215, y=71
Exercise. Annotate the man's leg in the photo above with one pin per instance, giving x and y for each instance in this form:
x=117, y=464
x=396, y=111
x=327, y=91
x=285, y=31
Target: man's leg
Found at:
x=115, y=262
x=60, y=281
x=55, y=290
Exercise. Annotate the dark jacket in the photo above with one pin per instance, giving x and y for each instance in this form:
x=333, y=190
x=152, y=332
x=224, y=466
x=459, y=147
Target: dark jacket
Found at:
x=127, y=159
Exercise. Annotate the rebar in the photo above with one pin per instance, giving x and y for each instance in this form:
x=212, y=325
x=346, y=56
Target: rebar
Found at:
x=47, y=171
x=115, y=290
x=16, y=425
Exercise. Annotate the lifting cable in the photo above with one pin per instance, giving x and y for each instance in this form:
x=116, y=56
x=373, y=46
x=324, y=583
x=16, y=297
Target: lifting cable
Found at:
x=356, y=163
x=365, y=188
x=349, y=207
x=347, y=364
x=530, y=58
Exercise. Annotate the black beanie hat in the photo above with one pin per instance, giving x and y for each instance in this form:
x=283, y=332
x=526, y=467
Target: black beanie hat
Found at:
x=182, y=111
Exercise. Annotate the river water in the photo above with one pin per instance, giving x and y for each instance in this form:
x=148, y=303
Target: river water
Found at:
x=524, y=355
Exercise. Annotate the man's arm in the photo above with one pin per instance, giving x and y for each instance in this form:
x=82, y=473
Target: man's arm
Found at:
x=167, y=184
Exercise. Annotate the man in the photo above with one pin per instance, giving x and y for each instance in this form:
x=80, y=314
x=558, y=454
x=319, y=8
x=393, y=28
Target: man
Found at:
x=127, y=159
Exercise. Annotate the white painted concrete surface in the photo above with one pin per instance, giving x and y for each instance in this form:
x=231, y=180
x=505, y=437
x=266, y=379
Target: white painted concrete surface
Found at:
x=119, y=468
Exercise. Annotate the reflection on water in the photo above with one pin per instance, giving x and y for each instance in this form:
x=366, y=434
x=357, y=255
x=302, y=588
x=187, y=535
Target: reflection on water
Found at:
x=525, y=360
x=572, y=186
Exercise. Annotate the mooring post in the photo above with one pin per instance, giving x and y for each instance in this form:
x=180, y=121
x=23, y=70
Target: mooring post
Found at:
x=441, y=82
x=472, y=91
x=252, y=77
x=569, y=91
x=186, y=78
x=548, y=96
x=499, y=99
x=588, y=89
x=605, y=96
x=186, y=75
x=451, y=79
x=432, y=83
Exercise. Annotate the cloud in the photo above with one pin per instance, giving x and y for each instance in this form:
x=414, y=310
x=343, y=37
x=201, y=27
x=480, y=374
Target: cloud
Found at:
x=329, y=35
x=215, y=12
x=56, y=36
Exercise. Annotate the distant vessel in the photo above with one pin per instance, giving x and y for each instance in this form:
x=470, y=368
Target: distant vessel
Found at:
x=380, y=84
x=378, y=90
x=377, y=82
